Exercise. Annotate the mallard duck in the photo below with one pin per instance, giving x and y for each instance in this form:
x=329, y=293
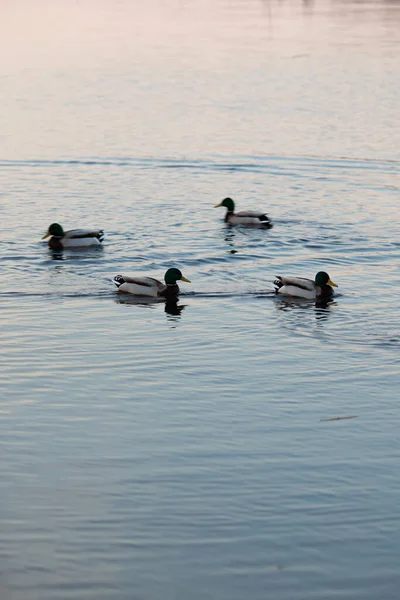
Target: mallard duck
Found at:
x=74, y=238
x=321, y=287
x=147, y=286
x=245, y=217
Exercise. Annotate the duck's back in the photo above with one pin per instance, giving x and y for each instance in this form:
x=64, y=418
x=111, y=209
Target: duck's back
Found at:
x=299, y=287
x=82, y=237
x=83, y=233
x=140, y=286
x=248, y=217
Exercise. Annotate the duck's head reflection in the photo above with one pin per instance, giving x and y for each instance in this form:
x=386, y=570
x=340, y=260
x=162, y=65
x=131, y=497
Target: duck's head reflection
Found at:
x=172, y=308
x=322, y=304
x=56, y=255
x=230, y=238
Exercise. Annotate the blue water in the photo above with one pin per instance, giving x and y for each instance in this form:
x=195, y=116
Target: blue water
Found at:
x=187, y=451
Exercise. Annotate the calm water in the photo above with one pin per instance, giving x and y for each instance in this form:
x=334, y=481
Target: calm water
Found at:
x=181, y=452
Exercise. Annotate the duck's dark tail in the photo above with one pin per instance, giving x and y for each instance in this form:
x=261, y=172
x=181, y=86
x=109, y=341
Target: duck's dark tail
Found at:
x=266, y=221
x=278, y=283
x=118, y=280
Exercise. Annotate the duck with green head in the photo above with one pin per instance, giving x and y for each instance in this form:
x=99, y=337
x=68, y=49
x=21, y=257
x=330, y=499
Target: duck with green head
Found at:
x=74, y=238
x=148, y=286
x=245, y=217
x=300, y=287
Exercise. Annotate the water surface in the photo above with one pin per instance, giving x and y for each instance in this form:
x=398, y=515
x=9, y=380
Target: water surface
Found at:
x=176, y=451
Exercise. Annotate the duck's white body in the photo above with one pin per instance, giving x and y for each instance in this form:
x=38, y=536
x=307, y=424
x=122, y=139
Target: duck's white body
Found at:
x=74, y=238
x=79, y=238
x=140, y=286
x=150, y=287
x=299, y=287
x=247, y=217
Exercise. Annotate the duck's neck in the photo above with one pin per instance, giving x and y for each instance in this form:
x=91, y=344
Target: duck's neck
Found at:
x=55, y=243
x=171, y=290
x=325, y=291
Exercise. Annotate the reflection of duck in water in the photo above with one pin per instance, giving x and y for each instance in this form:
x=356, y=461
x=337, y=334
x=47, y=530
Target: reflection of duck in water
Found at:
x=244, y=217
x=320, y=289
x=74, y=238
x=230, y=238
x=172, y=307
x=147, y=286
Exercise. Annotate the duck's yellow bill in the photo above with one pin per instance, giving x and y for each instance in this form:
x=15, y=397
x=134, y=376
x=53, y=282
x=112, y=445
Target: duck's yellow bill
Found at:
x=331, y=283
x=46, y=235
x=184, y=279
x=218, y=205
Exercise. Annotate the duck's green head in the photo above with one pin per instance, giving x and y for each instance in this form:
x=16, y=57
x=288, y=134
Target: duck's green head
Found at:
x=228, y=203
x=173, y=275
x=322, y=279
x=54, y=229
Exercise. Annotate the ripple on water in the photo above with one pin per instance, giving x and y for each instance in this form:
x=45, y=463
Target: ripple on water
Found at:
x=123, y=414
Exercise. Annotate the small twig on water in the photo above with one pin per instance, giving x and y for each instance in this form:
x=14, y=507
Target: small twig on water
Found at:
x=340, y=418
